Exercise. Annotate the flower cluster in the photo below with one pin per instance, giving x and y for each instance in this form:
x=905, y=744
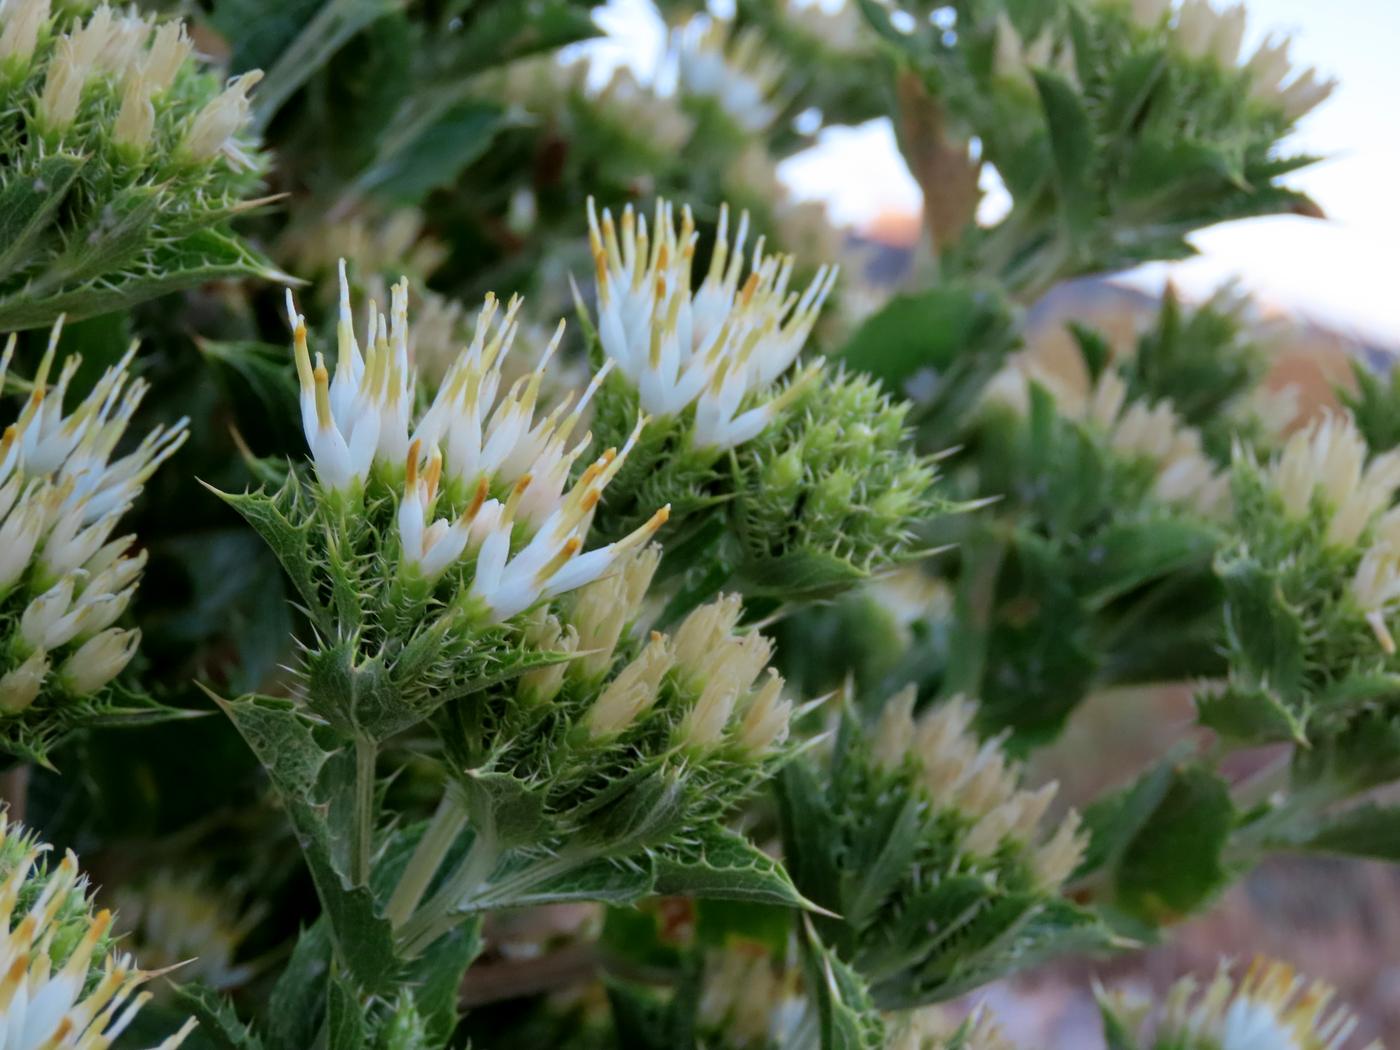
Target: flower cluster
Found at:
x=1325, y=473
x=119, y=142
x=733, y=69
x=65, y=579
x=716, y=350
x=1270, y=1006
x=1137, y=431
x=973, y=781
x=64, y=986
x=1203, y=32
x=472, y=473
x=749, y=999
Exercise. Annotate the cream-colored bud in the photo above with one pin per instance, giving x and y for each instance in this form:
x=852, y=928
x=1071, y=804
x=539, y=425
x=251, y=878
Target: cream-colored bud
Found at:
x=703, y=630
x=765, y=723
x=136, y=119
x=22, y=27
x=1150, y=12
x=703, y=725
x=1056, y=860
x=216, y=124
x=63, y=87
x=20, y=687
x=894, y=733
x=604, y=608
x=170, y=49
x=98, y=660
x=632, y=692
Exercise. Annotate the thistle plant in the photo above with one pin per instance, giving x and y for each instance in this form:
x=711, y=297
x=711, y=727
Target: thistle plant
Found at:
x=125, y=162
x=696, y=673
x=65, y=579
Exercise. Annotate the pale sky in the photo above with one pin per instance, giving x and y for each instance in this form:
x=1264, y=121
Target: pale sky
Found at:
x=1342, y=271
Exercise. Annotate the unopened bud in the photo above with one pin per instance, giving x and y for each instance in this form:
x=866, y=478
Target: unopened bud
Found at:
x=20, y=687
x=98, y=660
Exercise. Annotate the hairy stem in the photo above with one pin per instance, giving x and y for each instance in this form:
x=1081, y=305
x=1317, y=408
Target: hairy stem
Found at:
x=361, y=845
x=439, y=914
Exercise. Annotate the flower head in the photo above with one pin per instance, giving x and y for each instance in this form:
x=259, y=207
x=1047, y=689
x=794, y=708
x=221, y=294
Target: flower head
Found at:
x=1271, y=1007
x=479, y=473
x=720, y=348
x=734, y=69
x=63, y=574
x=63, y=985
x=975, y=780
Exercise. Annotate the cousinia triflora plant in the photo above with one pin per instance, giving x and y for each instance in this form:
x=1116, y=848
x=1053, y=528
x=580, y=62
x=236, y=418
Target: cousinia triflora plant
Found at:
x=65, y=579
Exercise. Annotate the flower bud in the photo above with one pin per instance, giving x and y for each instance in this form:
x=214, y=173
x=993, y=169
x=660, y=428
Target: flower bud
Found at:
x=895, y=731
x=765, y=723
x=50, y=620
x=603, y=609
x=98, y=660
x=632, y=692
x=1056, y=860
x=215, y=125
x=19, y=534
x=136, y=119
x=20, y=687
x=22, y=29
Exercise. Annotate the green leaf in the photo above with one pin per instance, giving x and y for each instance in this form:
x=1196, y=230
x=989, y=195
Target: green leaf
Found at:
x=1369, y=830
x=219, y=1025
x=346, y=1024
x=717, y=862
x=1248, y=715
x=299, y=997
x=28, y=200
x=1173, y=866
x=1130, y=553
x=846, y=1016
x=314, y=787
x=931, y=331
x=428, y=154
x=1072, y=151
x=1266, y=635
x=437, y=977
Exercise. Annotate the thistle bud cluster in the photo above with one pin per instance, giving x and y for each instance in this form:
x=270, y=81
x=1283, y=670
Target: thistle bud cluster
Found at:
x=709, y=673
x=1270, y=1005
x=932, y=1028
x=63, y=984
x=838, y=483
x=65, y=579
x=748, y=998
x=974, y=782
x=123, y=144
x=1137, y=431
x=1325, y=479
x=733, y=69
x=1207, y=32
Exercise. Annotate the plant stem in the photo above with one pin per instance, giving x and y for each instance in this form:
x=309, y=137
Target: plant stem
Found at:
x=436, y=917
x=361, y=844
x=432, y=849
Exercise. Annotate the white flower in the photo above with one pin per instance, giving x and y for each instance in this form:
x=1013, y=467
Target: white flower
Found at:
x=466, y=443
x=1327, y=461
x=22, y=27
x=74, y=1002
x=721, y=348
x=733, y=69
x=1270, y=1008
x=973, y=778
